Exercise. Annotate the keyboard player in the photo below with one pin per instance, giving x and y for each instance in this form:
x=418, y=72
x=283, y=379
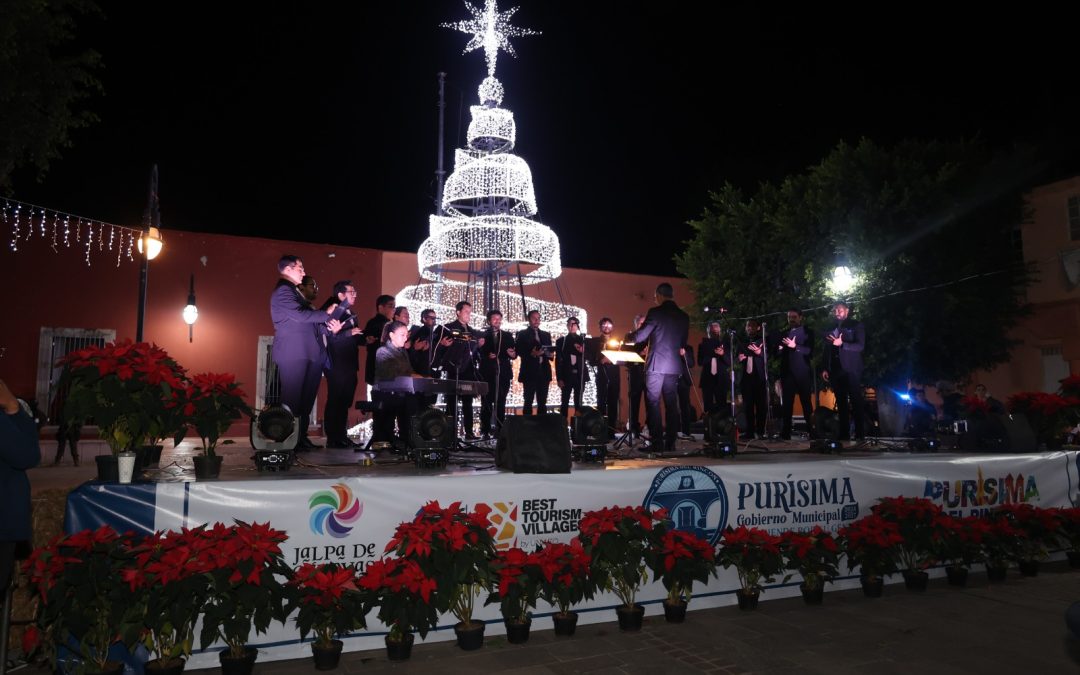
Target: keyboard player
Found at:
x=392, y=361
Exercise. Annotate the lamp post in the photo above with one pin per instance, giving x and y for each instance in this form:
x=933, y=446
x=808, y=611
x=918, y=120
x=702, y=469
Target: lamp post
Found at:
x=150, y=246
x=191, y=312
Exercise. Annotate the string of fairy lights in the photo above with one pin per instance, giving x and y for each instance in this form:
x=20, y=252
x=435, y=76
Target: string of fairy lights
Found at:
x=29, y=222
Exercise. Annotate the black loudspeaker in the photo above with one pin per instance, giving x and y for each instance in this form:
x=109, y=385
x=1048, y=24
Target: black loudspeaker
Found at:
x=589, y=427
x=1000, y=433
x=534, y=444
x=826, y=423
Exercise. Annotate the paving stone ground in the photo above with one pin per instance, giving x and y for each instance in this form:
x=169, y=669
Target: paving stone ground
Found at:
x=1014, y=627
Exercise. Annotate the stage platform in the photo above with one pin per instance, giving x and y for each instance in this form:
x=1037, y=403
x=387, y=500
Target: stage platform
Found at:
x=335, y=509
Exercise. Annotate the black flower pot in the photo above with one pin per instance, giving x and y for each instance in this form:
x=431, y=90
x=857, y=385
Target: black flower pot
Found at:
x=996, y=572
x=630, y=618
x=916, y=580
x=1074, y=558
x=517, y=632
x=1029, y=568
x=748, y=599
x=327, y=658
x=812, y=596
x=675, y=612
x=399, y=650
x=565, y=624
x=149, y=455
x=238, y=666
x=957, y=575
x=872, y=587
x=206, y=466
x=108, y=468
x=157, y=667
x=470, y=637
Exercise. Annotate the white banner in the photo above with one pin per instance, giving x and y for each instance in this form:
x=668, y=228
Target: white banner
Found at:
x=350, y=519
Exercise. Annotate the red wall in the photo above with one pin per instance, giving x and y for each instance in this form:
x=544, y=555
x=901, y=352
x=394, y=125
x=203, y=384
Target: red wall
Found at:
x=233, y=280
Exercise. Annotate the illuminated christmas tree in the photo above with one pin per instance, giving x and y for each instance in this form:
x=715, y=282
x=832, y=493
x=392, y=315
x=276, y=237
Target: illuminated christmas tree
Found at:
x=486, y=247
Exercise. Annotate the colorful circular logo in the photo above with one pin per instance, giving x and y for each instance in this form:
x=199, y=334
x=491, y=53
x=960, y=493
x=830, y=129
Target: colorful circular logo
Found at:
x=334, y=511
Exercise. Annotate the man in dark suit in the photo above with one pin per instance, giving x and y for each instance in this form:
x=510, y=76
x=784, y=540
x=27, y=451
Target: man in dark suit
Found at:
x=384, y=312
x=497, y=368
x=299, y=351
x=535, y=371
x=666, y=328
x=421, y=348
x=843, y=370
x=461, y=350
x=715, y=368
x=686, y=384
x=796, y=347
x=343, y=364
x=570, y=371
x=754, y=383
x=608, y=381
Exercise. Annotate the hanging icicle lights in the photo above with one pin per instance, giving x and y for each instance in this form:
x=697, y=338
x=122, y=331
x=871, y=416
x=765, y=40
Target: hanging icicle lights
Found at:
x=63, y=229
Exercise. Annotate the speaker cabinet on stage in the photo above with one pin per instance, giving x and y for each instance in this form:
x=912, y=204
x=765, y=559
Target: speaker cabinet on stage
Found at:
x=534, y=444
x=1000, y=433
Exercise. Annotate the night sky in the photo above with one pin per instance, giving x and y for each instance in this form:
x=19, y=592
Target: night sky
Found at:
x=319, y=124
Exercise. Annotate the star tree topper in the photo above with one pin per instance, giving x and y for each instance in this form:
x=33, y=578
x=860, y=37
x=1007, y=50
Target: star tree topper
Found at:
x=491, y=30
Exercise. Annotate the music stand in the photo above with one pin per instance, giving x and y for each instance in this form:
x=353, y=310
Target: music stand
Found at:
x=618, y=357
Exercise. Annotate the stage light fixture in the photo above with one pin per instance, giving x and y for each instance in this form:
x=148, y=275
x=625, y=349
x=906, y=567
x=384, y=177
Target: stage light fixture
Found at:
x=588, y=427
x=273, y=435
x=720, y=439
x=431, y=435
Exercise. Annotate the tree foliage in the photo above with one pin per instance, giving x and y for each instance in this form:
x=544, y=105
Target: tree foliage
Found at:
x=44, y=77
x=909, y=217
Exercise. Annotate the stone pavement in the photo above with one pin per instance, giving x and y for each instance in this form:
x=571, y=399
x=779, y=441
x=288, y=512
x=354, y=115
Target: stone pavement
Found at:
x=1014, y=627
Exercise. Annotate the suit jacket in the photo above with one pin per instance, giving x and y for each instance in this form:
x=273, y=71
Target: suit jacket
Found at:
x=459, y=359
x=847, y=357
x=759, y=359
x=421, y=358
x=569, y=362
x=795, y=362
x=666, y=328
x=342, y=348
x=373, y=328
x=706, y=354
x=533, y=369
x=297, y=326
x=497, y=342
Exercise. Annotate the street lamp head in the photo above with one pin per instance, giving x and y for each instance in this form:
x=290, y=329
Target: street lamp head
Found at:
x=153, y=243
x=842, y=281
x=191, y=313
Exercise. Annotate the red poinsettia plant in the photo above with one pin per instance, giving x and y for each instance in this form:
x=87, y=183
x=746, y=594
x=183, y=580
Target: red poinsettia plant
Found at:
x=1069, y=527
x=1070, y=386
x=246, y=584
x=1049, y=414
x=329, y=599
x=754, y=553
x=123, y=387
x=871, y=543
x=455, y=549
x=616, y=539
x=170, y=576
x=678, y=559
x=1002, y=540
x=565, y=578
x=814, y=554
x=85, y=604
x=211, y=402
x=962, y=540
x=401, y=593
x=1037, y=530
x=919, y=522
x=517, y=577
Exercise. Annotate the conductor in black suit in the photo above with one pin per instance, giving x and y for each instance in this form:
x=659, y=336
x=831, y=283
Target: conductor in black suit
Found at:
x=535, y=371
x=843, y=370
x=666, y=328
x=715, y=369
x=497, y=368
x=796, y=347
x=342, y=366
x=299, y=351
